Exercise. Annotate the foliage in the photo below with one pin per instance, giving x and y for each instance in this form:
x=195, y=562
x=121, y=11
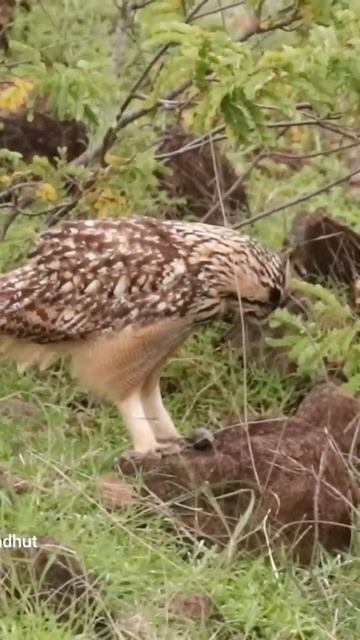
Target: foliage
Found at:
x=329, y=338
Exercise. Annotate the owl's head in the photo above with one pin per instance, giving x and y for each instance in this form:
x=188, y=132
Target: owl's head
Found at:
x=259, y=283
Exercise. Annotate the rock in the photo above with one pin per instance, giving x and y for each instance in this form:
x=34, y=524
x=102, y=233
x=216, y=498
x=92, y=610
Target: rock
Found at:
x=293, y=470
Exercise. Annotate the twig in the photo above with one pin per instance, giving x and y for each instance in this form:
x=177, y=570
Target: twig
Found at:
x=240, y=180
x=257, y=29
x=323, y=124
x=217, y=182
x=153, y=62
x=8, y=222
x=295, y=201
x=141, y=5
x=315, y=154
x=206, y=138
x=121, y=119
x=218, y=10
x=100, y=149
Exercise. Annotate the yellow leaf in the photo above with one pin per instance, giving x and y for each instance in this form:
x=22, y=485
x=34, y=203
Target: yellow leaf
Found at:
x=47, y=192
x=114, y=160
x=16, y=95
x=110, y=203
x=187, y=119
x=5, y=180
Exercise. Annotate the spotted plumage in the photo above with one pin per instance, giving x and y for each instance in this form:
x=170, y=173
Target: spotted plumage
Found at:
x=120, y=295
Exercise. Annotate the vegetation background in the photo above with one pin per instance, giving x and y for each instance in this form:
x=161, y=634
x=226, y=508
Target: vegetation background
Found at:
x=260, y=78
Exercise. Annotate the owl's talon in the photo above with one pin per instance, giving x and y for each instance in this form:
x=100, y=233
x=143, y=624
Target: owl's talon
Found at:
x=136, y=457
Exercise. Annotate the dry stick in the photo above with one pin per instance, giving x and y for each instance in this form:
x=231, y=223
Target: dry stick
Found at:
x=304, y=198
x=153, y=61
x=92, y=154
x=207, y=137
x=308, y=156
x=258, y=30
x=241, y=179
x=235, y=185
x=219, y=10
x=122, y=121
x=217, y=182
x=332, y=127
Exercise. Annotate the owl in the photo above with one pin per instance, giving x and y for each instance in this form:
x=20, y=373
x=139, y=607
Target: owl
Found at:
x=119, y=296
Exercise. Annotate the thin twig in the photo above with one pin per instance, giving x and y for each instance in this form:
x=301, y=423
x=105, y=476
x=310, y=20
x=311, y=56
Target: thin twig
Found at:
x=257, y=29
x=218, y=10
x=315, y=154
x=93, y=154
x=217, y=183
x=324, y=124
x=295, y=201
x=239, y=181
x=163, y=49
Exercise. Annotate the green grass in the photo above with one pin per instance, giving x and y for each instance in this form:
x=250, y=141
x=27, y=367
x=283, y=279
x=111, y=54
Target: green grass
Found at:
x=64, y=446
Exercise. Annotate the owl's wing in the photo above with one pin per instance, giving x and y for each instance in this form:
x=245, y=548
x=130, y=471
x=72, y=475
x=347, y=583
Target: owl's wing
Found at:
x=92, y=276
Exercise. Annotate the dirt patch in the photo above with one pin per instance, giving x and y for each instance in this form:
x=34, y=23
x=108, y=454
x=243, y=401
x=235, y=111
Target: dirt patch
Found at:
x=193, y=177
x=323, y=248
x=52, y=575
x=285, y=480
x=32, y=130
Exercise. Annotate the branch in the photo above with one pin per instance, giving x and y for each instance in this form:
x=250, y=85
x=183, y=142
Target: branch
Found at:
x=257, y=29
x=102, y=147
x=323, y=124
x=153, y=62
x=259, y=156
x=304, y=198
x=206, y=138
x=307, y=156
x=219, y=10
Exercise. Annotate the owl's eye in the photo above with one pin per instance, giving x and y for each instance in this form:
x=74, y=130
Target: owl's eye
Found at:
x=275, y=296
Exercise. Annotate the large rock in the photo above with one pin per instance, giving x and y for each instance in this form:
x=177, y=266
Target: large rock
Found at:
x=283, y=479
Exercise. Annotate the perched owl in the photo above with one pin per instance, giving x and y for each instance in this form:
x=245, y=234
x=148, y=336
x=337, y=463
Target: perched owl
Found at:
x=119, y=296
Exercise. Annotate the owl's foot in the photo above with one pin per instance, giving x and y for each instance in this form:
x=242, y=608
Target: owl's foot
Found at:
x=200, y=440
x=162, y=449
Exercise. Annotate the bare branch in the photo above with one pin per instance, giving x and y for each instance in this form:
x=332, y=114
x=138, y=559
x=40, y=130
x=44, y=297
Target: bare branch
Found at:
x=219, y=10
x=257, y=29
x=308, y=156
x=90, y=155
x=299, y=200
